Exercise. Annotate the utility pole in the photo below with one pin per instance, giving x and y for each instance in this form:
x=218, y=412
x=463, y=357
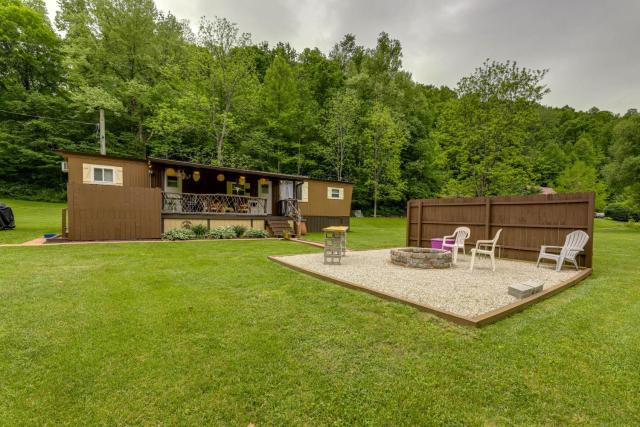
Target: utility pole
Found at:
x=103, y=145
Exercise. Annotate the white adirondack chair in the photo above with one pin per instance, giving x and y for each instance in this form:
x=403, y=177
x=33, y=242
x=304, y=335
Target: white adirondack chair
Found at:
x=455, y=242
x=486, y=247
x=573, y=245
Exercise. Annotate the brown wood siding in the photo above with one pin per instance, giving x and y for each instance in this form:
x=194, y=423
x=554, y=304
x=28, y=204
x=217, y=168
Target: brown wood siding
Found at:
x=135, y=173
x=319, y=205
x=527, y=222
x=317, y=223
x=104, y=212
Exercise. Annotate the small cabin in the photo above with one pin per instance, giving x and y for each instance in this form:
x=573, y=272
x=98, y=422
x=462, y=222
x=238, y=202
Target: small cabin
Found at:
x=120, y=198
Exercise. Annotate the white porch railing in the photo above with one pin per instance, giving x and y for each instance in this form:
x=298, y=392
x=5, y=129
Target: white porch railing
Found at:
x=213, y=203
x=289, y=207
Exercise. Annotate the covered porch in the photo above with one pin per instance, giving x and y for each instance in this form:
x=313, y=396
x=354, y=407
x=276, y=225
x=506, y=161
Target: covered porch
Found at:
x=211, y=191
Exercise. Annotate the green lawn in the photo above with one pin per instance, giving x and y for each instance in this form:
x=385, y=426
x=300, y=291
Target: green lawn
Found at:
x=214, y=333
x=33, y=219
x=369, y=233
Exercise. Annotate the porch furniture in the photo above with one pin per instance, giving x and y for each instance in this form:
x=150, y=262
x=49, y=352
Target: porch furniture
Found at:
x=486, y=247
x=455, y=242
x=574, y=243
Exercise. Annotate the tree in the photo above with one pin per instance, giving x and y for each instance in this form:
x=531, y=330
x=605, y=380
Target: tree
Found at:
x=340, y=130
x=486, y=132
x=280, y=100
x=582, y=177
x=228, y=67
x=29, y=49
x=623, y=173
x=383, y=140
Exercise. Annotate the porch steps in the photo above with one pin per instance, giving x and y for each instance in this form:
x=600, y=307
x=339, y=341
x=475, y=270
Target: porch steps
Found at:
x=278, y=226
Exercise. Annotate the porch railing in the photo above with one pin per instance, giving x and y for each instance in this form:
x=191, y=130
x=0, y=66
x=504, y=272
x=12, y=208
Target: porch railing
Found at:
x=289, y=207
x=213, y=203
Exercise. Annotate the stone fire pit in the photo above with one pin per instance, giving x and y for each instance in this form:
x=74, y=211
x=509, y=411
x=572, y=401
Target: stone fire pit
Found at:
x=421, y=257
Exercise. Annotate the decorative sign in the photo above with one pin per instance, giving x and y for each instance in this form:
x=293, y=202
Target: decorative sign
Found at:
x=264, y=181
x=170, y=172
x=241, y=180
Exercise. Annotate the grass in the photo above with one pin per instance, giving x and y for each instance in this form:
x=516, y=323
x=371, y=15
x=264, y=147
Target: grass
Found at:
x=214, y=333
x=370, y=233
x=33, y=219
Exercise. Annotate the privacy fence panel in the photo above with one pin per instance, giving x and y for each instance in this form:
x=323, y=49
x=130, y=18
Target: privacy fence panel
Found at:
x=101, y=212
x=527, y=222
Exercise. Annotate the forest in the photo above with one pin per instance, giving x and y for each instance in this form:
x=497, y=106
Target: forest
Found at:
x=217, y=96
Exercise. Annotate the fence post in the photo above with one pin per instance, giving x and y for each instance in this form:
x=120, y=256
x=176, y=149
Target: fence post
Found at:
x=588, y=261
x=420, y=224
x=487, y=217
x=409, y=222
x=64, y=222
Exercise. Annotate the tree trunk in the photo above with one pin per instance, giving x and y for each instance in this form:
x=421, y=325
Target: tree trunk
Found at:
x=375, y=199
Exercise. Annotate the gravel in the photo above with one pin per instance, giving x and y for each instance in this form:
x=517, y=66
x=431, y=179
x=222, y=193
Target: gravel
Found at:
x=456, y=289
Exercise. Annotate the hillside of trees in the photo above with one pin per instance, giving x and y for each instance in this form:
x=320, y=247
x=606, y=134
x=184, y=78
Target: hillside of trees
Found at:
x=353, y=113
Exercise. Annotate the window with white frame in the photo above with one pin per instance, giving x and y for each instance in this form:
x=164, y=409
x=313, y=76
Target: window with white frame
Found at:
x=101, y=174
x=335, y=193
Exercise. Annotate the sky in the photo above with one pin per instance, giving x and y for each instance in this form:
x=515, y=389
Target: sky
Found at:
x=591, y=47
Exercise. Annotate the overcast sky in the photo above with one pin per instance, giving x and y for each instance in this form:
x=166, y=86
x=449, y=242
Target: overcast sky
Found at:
x=591, y=47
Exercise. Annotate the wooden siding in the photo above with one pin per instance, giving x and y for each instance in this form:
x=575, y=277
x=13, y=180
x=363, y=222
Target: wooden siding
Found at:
x=317, y=223
x=103, y=212
x=135, y=173
x=527, y=222
x=320, y=205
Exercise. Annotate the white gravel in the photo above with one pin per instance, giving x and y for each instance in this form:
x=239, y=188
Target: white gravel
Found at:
x=455, y=289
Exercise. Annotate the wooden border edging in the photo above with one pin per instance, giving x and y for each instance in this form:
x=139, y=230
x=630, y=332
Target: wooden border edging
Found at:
x=477, y=321
x=502, y=312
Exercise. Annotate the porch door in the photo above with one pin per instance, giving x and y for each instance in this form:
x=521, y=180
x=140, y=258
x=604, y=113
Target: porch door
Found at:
x=265, y=190
x=172, y=187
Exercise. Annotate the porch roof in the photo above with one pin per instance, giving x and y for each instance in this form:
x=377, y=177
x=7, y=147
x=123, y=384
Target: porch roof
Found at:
x=226, y=169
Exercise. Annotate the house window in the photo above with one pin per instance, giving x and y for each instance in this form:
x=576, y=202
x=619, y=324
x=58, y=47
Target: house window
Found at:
x=103, y=175
x=172, y=181
x=335, y=193
x=99, y=174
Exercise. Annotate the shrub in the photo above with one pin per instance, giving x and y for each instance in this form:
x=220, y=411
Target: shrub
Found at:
x=239, y=230
x=619, y=212
x=200, y=230
x=255, y=233
x=225, y=232
x=179, y=234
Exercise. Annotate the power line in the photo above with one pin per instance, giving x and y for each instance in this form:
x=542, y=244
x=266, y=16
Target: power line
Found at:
x=49, y=118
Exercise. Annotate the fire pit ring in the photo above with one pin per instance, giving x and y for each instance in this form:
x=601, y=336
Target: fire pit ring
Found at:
x=421, y=257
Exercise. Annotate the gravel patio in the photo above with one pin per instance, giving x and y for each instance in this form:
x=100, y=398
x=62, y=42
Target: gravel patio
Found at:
x=456, y=290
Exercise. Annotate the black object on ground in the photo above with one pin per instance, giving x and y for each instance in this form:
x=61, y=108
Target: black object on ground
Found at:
x=7, y=221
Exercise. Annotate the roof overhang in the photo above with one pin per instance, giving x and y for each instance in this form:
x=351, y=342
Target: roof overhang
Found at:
x=226, y=169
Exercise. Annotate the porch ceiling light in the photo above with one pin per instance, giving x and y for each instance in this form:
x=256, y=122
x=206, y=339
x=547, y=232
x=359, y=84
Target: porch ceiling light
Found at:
x=241, y=180
x=170, y=172
x=196, y=176
x=220, y=177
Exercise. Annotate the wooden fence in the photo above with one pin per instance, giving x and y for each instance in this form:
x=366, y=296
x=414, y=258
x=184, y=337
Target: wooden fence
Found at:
x=527, y=222
x=101, y=212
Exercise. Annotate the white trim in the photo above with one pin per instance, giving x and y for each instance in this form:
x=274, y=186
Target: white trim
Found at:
x=331, y=193
x=304, y=192
x=88, y=174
